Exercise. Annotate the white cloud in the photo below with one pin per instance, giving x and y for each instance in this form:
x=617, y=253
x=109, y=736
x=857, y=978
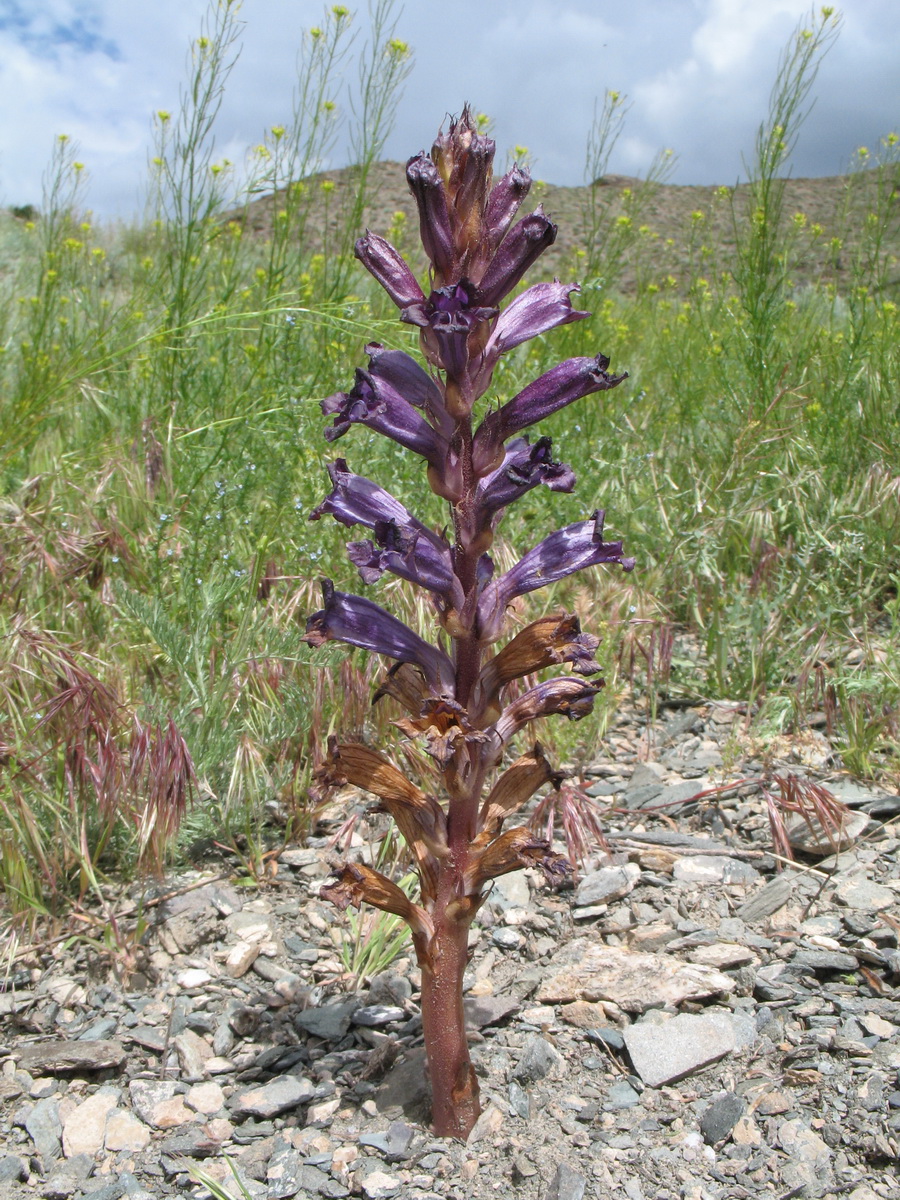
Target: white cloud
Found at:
x=698, y=72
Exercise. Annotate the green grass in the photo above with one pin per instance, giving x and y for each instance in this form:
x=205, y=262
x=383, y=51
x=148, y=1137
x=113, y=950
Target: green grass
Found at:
x=162, y=448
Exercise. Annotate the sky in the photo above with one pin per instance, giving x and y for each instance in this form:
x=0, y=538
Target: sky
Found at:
x=697, y=75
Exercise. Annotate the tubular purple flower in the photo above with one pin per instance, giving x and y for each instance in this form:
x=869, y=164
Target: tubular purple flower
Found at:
x=403, y=374
x=561, y=385
x=359, y=622
x=570, y=695
x=355, y=500
x=375, y=403
x=571, y=549
x=410, y=552
x=426, y=185
x=389, y=268
x=524, y=466
x=537, y=310
x=446, y=319
x=504, y=202
x=526, y=241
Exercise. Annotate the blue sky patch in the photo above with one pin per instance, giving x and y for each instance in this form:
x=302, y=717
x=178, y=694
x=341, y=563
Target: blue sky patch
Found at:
x=46, y=33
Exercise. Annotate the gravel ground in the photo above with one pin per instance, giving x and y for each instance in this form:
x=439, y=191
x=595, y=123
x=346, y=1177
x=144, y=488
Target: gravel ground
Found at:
x=686, y=1022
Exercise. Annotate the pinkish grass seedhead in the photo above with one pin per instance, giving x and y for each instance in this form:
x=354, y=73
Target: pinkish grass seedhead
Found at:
x=454, y=691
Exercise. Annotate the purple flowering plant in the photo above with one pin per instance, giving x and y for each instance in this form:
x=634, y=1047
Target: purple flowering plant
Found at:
x=453, y=691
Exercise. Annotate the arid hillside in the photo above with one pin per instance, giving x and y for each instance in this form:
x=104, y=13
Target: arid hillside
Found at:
x=646, y=231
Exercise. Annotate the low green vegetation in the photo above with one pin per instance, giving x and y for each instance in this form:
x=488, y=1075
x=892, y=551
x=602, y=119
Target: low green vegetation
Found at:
x=160, y=451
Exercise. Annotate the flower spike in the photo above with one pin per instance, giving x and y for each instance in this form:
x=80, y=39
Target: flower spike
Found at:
x=457, y=699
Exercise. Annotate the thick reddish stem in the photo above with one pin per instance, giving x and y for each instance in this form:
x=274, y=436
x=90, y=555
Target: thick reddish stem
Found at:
x=454, y=1087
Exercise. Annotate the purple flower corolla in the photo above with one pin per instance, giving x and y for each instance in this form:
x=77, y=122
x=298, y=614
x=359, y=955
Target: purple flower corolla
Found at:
x=446, y=319
x=464, y=157
x=569, y=695
x=524, y=467
x=403, y=545
x=561, y=385
x=435, y=230
x=525, y=242
x=359, y=622
x=355, y=500
x=504, y=202
x=378, y=402
x=562, y=553
x=388, y=266
x=539, y=309
x=408, y=379
x=410, y=553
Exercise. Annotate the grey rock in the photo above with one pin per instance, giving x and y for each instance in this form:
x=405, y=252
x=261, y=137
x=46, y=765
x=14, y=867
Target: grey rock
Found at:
x=770, y=898
x=587, y=970
x=374, y=1015
x=300, y=856
x=637, y=798
x=406, y=1086
x=389, y=987
x=506, y=939
x=824, y=960
x=538, y=1060
x=270, y=1099
x=775, y=982
x=192, y=1144
x=721, y=1117
x=816, y=840
x=45, y=1129
x=393, y=1143
x=378, y=1185
x=677, y=795
x=620, y=1096
x=186, y=931
x=871, y=1094
x=519, y=1100
x=566, y=1184
x=62, y=1057
x=99, y=1030
x=482, y=1011
x=713, y=868
x=808, y=1165
x=13, y=1169
x=606, y=1035
x=860, y=893
x=647, y=774
x=288, y=1175
x=665, y=1052
x=510, y=891
x=107, y=1191
x=605, y=787
x=329, y=1021
x=192, y=1051
x=147, y=1094
x=607, y=884
x=151, y=1037
x=67, y=1177
x=877, y=804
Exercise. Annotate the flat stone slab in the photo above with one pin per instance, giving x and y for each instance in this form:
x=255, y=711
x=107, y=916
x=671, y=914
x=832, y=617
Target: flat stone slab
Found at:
x=588, y=970
x=607, y=884
x=271, y=1099
x=669, y=1050
x=860, y=893
x=57, y=1058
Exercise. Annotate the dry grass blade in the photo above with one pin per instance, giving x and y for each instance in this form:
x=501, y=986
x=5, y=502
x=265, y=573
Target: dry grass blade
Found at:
x=821, y=811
